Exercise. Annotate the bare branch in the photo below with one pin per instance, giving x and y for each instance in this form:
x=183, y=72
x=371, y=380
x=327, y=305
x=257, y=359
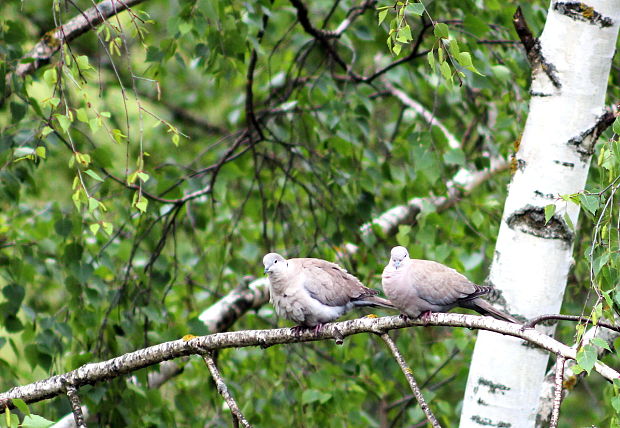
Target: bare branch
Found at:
x=411, y=380
x=222, y=314
x=223, y=390
x=463, y=183
x=557, y=396
x=531, y=323
x=127, y=363
x=428, y=116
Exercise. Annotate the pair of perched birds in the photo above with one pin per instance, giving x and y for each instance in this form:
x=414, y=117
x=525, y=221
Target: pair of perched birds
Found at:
x=311, y=292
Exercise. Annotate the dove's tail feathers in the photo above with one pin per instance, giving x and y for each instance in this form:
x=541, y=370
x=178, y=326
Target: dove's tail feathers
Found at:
x=485, y=308
x=375, y=302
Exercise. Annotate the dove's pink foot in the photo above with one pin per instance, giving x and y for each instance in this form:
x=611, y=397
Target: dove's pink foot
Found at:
x=298, y=329
x=317, y=328
x=426, y=316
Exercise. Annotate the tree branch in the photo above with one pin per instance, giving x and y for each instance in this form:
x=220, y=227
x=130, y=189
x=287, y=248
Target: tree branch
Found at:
x=428, y=116
x=561, y=317
x=223, y=390
x=53, y=40
x=557, y=396
x=127, y=363
x=570, y=379
x=411, y=380
x=76, y=406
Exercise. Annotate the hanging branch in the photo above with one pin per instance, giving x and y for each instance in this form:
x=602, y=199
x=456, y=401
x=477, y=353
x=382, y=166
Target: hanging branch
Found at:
x=411, y=380
x=76, y=406
x=557, y=396
x=237, y=416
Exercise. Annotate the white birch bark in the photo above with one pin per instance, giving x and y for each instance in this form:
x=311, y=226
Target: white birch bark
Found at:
x=532, y=259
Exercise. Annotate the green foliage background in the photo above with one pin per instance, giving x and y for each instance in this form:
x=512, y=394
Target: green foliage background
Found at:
x=157, y=99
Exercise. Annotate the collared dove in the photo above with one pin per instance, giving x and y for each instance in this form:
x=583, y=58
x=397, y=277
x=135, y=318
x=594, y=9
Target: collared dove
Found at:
x=419, y=287
x=311, y=292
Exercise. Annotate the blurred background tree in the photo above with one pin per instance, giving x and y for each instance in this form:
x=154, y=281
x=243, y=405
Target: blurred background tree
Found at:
x=148, y=167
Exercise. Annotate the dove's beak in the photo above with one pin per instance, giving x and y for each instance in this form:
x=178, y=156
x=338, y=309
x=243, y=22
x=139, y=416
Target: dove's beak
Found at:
x=397, y=264
x=266, y=271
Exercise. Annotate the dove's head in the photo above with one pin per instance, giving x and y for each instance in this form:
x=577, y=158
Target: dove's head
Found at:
x=398, y=255
x=274, y=262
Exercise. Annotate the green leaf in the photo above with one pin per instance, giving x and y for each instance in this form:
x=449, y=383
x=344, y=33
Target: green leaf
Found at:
x=107, y=227
x=616, y=125
x=94, y=228
x=63, y=121
x=416, y=8
x=312, y=395
x=568, y=221
x=36, y=421
x=454, y=157
x=586, y=357
x=404, y=35
x=502, y=72
x=441, y=30
x=446, y=72
x=18, y=111
x=50, y=76
x=46, y=131
x=464, y=58
x=93, y=174
x=615, y=403
x=454, y=47
x=549, y=211
x=21, y=405
x=599, y=262
x=431, y=59
x=40, y=151
x=589, y=202
x=14, y=293
x=403, y=235
x=382, y=15
x=396, y=49
x=600, y=343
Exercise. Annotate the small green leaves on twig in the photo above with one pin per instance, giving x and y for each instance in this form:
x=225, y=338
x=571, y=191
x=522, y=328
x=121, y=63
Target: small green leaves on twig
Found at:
x=445, y=52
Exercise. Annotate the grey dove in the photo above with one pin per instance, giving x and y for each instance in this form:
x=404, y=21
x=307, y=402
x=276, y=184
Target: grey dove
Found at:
x=419, y=287
x=311, y=292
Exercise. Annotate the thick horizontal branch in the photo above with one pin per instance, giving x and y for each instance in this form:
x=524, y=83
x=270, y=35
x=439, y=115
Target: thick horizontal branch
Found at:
x=98, y=372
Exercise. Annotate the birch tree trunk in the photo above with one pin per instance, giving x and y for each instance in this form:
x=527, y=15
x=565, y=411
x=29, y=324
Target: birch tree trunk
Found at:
x=570, y=68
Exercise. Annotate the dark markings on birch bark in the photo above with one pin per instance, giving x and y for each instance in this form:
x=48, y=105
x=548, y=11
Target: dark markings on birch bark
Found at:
x=531, y=220
x=584, y=142
x=493, y=387
x=486, y=422
x=582, y=12
x=566, y=164
x=544, y=195
x=533, y=50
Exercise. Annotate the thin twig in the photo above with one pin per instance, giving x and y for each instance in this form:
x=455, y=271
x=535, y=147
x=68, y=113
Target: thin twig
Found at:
x=557, y=396
x=223, y=390
x=531, y=323
x=412, y=383
x=76, y=406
